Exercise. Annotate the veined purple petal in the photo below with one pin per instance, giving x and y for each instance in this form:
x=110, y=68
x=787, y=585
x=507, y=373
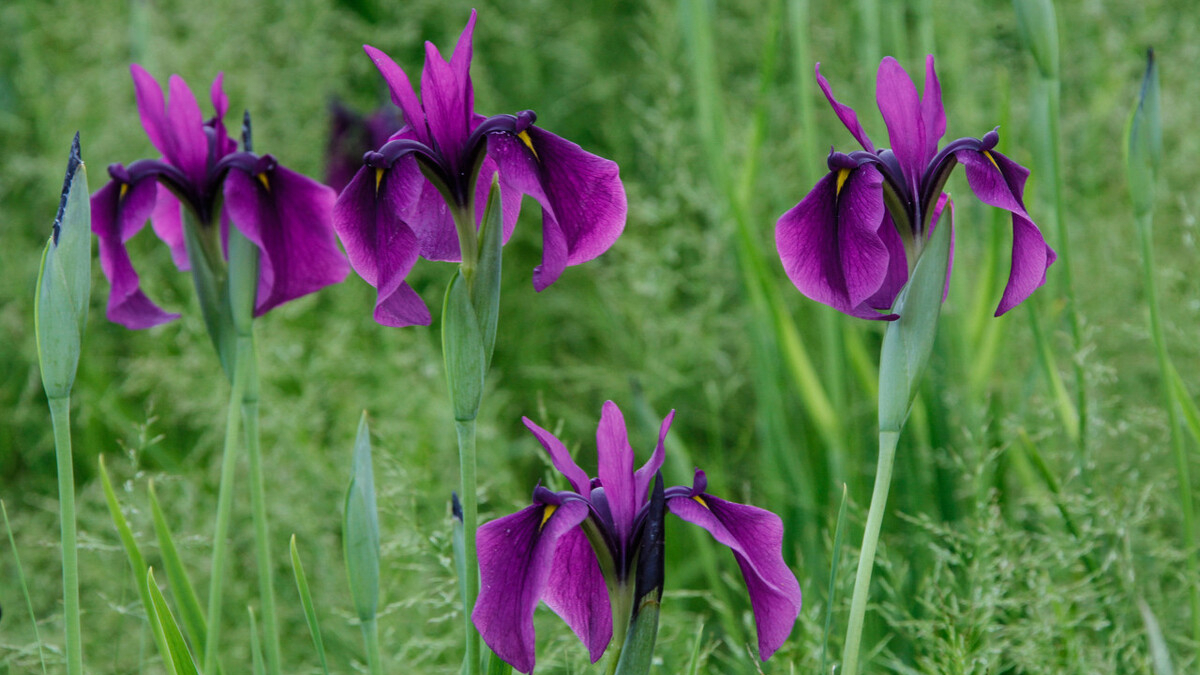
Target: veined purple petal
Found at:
x=830, y=243
x=756, y=538
x=897, y=269
x=380, y=245
x=187, y=129
x=845, y=113
x=644, y=475
x=576, y=592
x=582, y=198
x=615, y=457
x=289, y=217
x=152, y=109
x=119, y=211
x=933, y=115
x=460, y=62
x=561, y=457
x=220, y=103
x=446, y=98
x=516, y=554
x=998, y=181
x=167, y=220
x=902, y=112
x=402, y=93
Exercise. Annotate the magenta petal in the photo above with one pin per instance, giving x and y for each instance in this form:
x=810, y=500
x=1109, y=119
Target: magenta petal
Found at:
x=644, y=475
x=561, y=457
x=381, y=247
x=933, y=115
x=998, y=181
x=897, y=98
x=289, y=217
x=516, y=554
x=152, y=109
x=576, y=592
x=897, y=270
x=615, y=458
x=445, y=100
x=190, y=151
x=167, y=220
x=402, y=92
x=583, y=200
x=756, y=538
x=220, y=103
x=830, y=242
x=460, y=62
x=845, y=113
x=115, y=219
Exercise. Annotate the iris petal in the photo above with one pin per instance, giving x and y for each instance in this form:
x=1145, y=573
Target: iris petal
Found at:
x=615, y=457
x=845, y=113
x=167, y=220
x=933, y=115
x=402, y=93
x=516, y=555
x=902, y=111
x=561, y=457
x=756, y=538
x=576, y=592
x=644, y=475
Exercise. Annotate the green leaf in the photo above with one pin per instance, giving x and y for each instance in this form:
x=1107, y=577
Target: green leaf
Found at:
x=177, y=658
x=243, y=280
x=306, y=601
x=185, y=593
x=136, y=561
x=256, y=657
x=485, y=291
x=24, y=586
x=1143, y=154
x=908, y=341
x=1159, y=653
x=462, y=348
x=210, y=278
x=64, y=282
x=838, y=531
x=1038, y=26
x=361, y=529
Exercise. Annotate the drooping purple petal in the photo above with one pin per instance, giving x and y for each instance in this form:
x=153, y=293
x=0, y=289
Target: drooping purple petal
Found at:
x=583, y=200
x=516, y=554
x=402, y=93
x=897, y=270
x=576, y=592
x=998, y=181
x=380, y=245
x=644, y=475
x=830, y=242
x=119, y=211
x=167, y=220
x=561, y=457
x=902, y=112
x=845, y=113
x=445, y=97
x=615, y=457
x=756, y=538
x=289, y=217
x=933, y=115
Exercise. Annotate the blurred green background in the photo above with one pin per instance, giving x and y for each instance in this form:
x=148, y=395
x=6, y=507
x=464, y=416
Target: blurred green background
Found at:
x=711, y=112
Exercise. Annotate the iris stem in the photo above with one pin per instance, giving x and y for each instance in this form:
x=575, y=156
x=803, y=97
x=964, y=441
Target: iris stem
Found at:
x=262, y=537
x=465, y=430
x=866, y=559
x=60, y=417
x=621, y=597
x=224, y=501
x=468, y=242
x=1146, y=239
x=370, y=631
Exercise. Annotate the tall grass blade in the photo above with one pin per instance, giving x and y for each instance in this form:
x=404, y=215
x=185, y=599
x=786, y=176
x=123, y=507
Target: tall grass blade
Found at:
x=838, y=530
x=24, y=587
x=1160, y=655
x=177, y=657
x=310, y=610
x=177, y=577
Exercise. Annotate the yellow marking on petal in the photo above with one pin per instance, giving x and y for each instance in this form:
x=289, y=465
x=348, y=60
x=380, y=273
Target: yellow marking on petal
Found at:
x=697, y=497
x=549, y=511
x=124, y=190
x=843, y=174
x=262, y=178
x=524, y=136
x=991, y=159
x=378, y=179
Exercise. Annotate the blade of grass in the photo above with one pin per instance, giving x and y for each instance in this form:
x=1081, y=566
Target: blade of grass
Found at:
x=136, y=561
x=24, y=587
x=838, y=530
x=1159, y=654
x=177, y=577
x=1068, y=415
x=256, y=657
x=176, y=656
x=310, y=611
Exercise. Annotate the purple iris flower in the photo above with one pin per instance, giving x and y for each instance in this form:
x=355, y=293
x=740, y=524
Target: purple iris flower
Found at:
x=352, y=134
x=286, y=215
x=575, y=549
x=853, y=241
x=420, y=190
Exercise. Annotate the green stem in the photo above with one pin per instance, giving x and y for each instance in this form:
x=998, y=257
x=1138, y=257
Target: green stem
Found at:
x=60, y=417
x=621, y=597
x=1145, y=235
x=224, y=501
x=262, y=537
x=370, y=631
x=465, y=430
x=468, y=241
x=866, y=560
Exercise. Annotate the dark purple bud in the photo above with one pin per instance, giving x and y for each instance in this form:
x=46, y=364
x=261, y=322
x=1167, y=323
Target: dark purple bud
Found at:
x=650, y=566
x=456, y=506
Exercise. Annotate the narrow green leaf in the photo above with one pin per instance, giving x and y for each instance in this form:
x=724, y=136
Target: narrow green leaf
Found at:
x=178, y=654
x=210, y=278
x=694, y=660
x=838, y=531
x=1038, y=26
x=256, y=657
x=177, y=577
x=1191, y=415
x=462, y=348
x=24, y=587
x=64, y=282
x=1143, y=154
x=243, y=280
x=1159, y=654
x=497, y=665
x=908, y=341
x=485, y=293
x=136, y=561
x=361, y=529
x=306, y=601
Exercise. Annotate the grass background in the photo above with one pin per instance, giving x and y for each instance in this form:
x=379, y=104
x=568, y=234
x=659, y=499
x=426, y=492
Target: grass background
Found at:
x=978, y=572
